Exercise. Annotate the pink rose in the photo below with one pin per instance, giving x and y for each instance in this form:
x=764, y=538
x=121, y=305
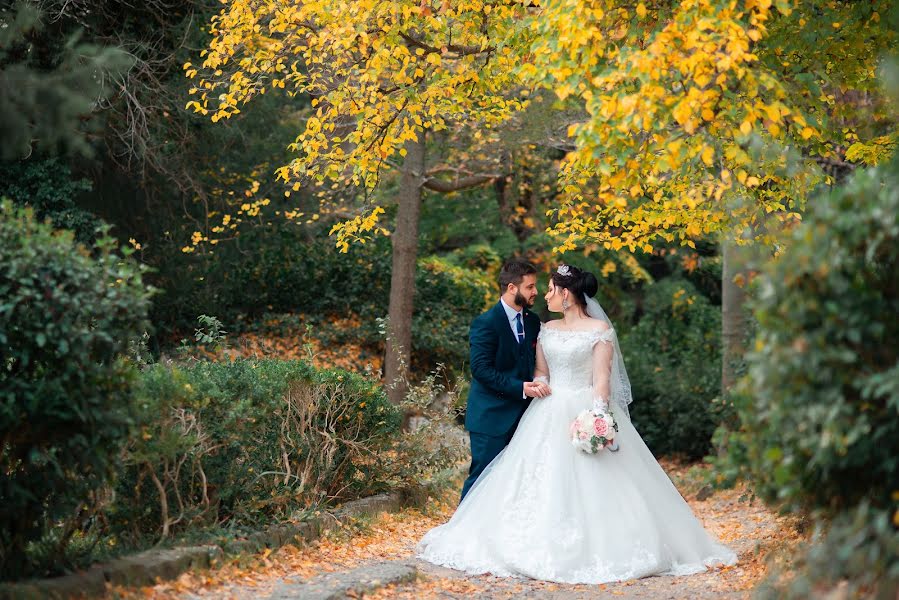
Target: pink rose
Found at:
x=582, y=435
x=600, y=427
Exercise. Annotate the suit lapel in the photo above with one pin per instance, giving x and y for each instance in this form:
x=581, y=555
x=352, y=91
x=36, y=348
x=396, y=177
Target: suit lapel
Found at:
x=531, y=330
x=531, y=327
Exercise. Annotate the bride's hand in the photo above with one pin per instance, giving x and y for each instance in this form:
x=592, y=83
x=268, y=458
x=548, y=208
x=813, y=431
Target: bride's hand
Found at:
x=537, y=389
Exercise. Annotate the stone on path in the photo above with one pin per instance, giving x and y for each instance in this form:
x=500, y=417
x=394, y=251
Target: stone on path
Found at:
x=332, y=586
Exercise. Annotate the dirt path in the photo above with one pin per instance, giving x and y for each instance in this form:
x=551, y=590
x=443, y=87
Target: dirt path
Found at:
x=750, y=529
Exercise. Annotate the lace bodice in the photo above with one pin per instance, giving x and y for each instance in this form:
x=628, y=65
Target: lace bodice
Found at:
x=570, y=356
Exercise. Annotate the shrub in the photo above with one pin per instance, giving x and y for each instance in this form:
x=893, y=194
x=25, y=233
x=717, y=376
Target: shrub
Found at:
x=47, y=186
x=819, y=406
x=67, y=314
x=247, y=441
x=448, y=298
x=279, y=270
x=819, y=409
x=673, y=357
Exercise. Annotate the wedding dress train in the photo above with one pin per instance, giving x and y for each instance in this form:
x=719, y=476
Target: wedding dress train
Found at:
x=545, y=510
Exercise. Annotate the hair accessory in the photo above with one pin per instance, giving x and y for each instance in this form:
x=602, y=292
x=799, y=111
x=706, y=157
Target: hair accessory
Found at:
x=564, y=270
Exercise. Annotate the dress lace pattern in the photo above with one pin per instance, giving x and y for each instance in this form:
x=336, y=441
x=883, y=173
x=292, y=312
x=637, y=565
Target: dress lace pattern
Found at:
x=544, y=510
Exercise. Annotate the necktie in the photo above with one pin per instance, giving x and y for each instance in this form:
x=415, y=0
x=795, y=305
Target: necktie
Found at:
x=519, y=327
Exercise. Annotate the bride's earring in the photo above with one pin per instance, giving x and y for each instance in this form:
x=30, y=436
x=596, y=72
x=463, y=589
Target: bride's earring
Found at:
x=565, y=304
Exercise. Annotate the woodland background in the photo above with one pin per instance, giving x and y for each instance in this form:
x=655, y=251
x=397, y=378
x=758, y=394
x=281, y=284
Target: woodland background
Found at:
x=203, y=352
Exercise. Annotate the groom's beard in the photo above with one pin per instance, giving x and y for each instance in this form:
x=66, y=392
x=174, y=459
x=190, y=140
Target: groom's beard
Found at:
x=524, y=302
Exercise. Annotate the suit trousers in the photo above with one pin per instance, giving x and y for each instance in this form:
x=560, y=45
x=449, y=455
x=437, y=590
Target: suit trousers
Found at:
x=484, y=448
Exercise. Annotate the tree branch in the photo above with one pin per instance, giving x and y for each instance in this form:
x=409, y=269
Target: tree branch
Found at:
x=456, y=185
x=456, y=48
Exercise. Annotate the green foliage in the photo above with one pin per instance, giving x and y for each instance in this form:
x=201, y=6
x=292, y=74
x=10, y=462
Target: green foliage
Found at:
x=835, y=82
x=210, y=333
x=46, y=104
x=66, y=317
x=448, y=298
x=673, y=357
x=48, y=187
x=427, y=454
x=246, y=441
x=820, y=406
x=279, y=269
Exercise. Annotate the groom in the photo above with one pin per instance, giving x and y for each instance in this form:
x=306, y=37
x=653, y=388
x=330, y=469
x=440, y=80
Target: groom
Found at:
x=503, y=350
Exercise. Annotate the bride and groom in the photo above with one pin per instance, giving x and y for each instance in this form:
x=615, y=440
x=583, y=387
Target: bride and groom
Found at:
x=533, y=505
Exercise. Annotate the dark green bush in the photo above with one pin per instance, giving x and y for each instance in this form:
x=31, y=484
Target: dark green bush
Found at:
x=673, y=358
x=47, y=186
x=279, y=269
x=243, y=442
x=819, y=409
x=448, y=298
x=67, y=314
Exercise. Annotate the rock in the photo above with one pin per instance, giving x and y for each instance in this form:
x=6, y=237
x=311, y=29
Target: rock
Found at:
x=705, y=493
x=334, y=586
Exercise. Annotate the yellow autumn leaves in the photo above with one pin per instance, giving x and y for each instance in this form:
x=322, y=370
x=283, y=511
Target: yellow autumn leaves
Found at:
x=378, y=73
x=675, y=110
x=680, y=115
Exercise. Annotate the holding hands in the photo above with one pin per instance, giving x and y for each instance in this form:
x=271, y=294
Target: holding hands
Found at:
x=537, y=389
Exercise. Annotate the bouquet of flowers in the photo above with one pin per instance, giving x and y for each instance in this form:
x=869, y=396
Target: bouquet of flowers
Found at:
x=594, y=430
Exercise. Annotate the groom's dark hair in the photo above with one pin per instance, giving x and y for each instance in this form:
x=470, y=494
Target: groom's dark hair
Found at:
x=513, y=272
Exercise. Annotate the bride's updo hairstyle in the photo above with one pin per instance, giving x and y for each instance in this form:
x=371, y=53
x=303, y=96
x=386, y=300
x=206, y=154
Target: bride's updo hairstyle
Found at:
x=580, y=284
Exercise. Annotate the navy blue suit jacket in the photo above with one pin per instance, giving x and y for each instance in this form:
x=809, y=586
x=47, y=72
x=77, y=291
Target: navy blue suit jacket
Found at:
x=499, y=368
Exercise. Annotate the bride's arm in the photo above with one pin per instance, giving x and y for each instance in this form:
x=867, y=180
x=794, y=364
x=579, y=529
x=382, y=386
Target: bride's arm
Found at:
x=602, y=370
x=541, y=369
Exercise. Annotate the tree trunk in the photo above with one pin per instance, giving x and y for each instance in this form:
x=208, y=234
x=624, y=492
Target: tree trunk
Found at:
x=733, y=322
x=402, y=279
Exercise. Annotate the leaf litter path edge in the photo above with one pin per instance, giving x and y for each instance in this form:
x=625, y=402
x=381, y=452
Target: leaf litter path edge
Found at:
x=758, y=535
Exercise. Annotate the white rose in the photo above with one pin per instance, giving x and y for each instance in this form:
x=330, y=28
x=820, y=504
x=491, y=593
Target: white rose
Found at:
x=585, y=422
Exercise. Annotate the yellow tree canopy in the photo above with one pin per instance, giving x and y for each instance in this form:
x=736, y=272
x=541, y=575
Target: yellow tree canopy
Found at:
x=378, y=73
x=703, y=117
x=681, y=118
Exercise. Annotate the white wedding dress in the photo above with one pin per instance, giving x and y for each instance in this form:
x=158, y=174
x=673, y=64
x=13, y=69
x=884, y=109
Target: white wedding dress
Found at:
x=546, y=510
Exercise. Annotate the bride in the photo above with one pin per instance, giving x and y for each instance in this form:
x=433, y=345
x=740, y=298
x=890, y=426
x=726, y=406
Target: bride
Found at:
x=546, y=510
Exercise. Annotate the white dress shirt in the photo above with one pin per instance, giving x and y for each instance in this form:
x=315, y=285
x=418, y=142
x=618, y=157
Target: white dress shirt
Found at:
x=510, y=314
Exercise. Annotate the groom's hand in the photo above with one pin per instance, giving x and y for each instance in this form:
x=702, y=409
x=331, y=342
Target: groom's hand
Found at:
x=536, y=389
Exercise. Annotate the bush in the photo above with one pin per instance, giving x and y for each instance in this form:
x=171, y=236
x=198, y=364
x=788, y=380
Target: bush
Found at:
x=819, y=409
x=448, y=298
x=245, y=442
x=47, y=186
x=673, y=358
x=66, y=316
x=819, y=406
x=289, y=273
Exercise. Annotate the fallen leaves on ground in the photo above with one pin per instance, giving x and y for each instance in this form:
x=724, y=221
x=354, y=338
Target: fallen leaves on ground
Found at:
x=391, y=536
x=749, y=527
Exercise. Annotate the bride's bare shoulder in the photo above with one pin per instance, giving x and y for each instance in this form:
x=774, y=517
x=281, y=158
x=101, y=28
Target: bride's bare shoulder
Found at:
x=598, y=324
x=552, y=323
